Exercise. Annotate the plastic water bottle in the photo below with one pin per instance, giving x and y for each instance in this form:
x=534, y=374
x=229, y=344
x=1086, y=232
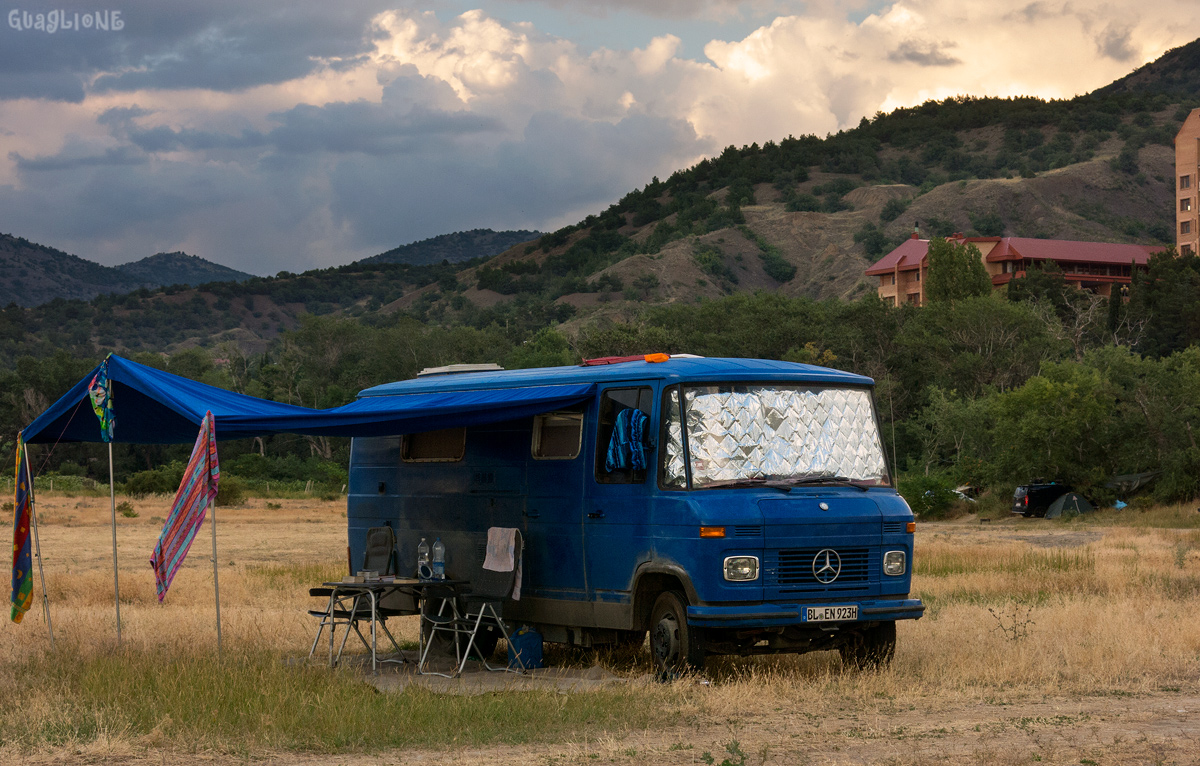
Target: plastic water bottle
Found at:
x=423, y=570
x=439, y=559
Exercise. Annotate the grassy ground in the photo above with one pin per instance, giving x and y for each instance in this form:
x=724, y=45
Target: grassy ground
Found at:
x=1042, y=639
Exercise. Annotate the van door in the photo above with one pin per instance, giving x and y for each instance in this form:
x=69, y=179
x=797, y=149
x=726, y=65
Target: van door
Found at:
x=553, y=535
x=616, y=512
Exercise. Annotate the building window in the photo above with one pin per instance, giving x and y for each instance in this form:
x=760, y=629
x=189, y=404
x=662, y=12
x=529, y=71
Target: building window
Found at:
x=893, y=279
x=1185, y=204
x=1185, y=227
x=918, y=275
x=1185, y=182
x=1185, y=250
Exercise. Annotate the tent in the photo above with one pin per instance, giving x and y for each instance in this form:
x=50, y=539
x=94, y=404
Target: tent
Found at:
x=1070, y=504
x=154, y=407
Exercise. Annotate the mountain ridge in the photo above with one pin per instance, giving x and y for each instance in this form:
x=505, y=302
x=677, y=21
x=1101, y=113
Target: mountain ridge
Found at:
x=454, y=247
x=803, y=217
x=179, y=268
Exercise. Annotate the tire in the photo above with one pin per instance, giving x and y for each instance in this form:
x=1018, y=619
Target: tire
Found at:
x=674, y=645
x=871, y=649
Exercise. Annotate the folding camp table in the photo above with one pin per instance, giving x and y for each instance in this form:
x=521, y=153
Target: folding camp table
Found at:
x=353, y=594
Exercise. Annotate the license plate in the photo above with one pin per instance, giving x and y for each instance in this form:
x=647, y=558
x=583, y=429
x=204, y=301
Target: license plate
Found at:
x=830, y=613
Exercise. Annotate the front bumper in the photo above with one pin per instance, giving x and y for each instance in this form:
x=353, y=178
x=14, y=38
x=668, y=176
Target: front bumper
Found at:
x=775, y=615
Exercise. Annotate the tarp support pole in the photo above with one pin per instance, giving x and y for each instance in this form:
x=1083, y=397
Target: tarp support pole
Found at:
x=37, y=550
x=112, y=501
x=212, y=510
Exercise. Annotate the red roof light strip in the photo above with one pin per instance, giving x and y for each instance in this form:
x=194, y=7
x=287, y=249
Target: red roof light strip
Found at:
x=622, y=359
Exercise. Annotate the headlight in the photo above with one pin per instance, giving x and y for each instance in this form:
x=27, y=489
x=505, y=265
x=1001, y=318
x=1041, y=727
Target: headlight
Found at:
x=741, y=568
x=894, y=563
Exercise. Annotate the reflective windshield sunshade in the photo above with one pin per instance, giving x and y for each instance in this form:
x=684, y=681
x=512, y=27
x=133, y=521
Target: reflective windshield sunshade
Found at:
x=773, y=432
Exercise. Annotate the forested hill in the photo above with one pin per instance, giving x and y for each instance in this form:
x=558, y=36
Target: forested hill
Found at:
x=33, y=274
x=801, y=217
x=455, y=248
x=1175, y=72
x=179, y=269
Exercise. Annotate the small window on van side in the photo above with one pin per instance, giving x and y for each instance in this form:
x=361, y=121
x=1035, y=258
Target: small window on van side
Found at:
x=622, y=440
x=557, y=435
x=446, y=446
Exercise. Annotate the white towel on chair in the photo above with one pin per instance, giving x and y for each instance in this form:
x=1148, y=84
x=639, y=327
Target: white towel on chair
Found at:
x=502, y=555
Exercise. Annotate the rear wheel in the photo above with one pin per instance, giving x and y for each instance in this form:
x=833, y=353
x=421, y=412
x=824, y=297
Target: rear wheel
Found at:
x=872, y=648
x=675, y=645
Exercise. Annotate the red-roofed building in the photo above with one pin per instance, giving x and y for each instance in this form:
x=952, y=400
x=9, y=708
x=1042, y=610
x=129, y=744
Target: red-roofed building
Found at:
x=1094, y=266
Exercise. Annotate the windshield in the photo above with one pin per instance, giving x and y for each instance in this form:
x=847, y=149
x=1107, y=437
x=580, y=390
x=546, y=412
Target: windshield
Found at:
x=757, y=433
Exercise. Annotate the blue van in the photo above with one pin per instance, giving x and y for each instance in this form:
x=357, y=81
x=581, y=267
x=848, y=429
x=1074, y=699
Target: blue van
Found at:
x=725, y=506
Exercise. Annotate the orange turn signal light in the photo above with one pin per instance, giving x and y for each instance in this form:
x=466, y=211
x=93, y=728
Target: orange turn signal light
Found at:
x=912, y=527
x=657, y=358
x=712, y=531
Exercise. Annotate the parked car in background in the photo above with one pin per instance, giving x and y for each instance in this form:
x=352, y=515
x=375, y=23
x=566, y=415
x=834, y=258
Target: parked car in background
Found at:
x=1035, y=499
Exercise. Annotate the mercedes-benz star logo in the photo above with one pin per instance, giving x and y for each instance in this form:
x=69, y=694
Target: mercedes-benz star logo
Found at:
x=827, y=565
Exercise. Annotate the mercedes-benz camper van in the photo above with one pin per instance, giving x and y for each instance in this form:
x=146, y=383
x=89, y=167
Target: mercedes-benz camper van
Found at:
x=725, y=506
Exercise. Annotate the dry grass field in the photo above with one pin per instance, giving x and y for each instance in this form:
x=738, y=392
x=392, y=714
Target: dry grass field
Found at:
x=1072, y=642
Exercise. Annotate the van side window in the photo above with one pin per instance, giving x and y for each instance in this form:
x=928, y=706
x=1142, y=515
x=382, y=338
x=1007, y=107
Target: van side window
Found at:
x=623, y=435
x=446, y=446
x=673, y=473
x=557, y=435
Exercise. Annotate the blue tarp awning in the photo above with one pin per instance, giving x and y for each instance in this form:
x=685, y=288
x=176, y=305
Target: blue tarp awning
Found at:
x=156, y=407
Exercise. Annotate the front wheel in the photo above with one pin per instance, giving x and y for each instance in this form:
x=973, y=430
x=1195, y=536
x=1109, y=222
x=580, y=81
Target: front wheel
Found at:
x=872, y=648
x=675, y=645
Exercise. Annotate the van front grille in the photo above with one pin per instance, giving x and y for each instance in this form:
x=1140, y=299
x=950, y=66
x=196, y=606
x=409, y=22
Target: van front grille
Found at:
x=795, y=568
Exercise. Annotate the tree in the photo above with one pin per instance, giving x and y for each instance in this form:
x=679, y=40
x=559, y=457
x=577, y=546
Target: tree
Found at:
x=1042, y=282
x=956, y=271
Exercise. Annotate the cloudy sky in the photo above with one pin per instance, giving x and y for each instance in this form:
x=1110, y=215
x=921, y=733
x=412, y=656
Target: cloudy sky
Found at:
x=295, y=134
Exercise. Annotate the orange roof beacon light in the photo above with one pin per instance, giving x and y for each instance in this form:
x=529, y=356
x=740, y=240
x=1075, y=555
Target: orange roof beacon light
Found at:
x=712, y=531
x=655, y=358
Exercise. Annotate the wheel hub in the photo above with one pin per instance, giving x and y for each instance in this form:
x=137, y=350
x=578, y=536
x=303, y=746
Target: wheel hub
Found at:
x=665, y=640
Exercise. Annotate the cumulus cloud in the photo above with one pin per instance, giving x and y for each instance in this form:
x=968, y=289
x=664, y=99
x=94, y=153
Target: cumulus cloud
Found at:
x=923, y=53
x=1115, y=43
x=285, y=136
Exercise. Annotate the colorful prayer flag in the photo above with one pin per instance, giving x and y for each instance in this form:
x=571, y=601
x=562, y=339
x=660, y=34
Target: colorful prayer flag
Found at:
x=22, y=574
x=196, y=491
x=100, y=392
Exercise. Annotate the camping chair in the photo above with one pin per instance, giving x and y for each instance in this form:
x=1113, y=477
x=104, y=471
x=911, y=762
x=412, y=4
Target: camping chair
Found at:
x=484, y=607
x=379, y=556
x=339, y=611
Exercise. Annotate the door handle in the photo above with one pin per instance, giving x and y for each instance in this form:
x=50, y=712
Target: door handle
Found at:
x=596, y=515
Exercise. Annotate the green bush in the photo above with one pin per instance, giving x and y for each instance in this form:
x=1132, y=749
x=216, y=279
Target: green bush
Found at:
x=161, y=481
x=892, y=210
x=930, y=497
x=231, y=491
x=805, y=203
